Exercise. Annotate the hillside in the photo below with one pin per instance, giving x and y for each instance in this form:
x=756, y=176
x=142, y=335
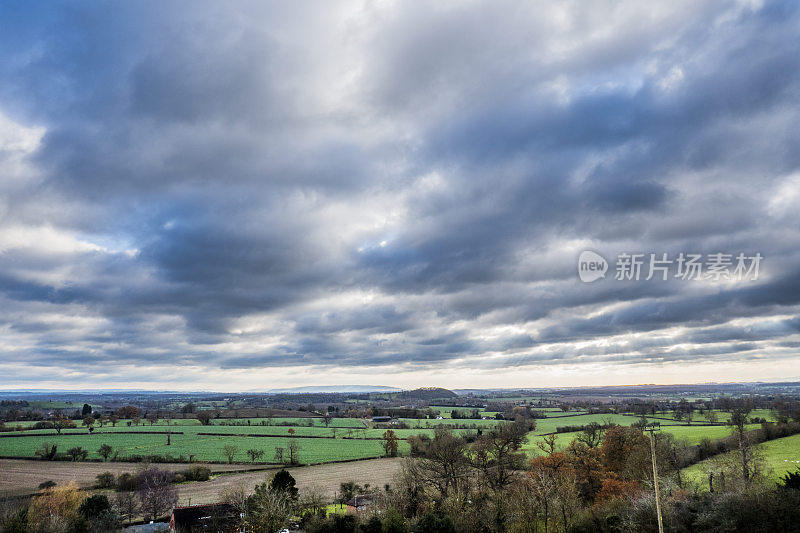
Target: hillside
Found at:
x=427, y=394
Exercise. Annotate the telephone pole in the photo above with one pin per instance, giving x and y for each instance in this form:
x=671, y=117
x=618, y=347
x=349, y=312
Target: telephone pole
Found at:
x=652, y=428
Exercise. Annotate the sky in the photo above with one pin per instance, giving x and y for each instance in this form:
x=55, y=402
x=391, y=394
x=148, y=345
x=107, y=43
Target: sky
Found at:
x=242, y=196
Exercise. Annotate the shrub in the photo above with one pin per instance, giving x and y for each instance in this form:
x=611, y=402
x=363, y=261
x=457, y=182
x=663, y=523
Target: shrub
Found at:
x=105, y=480
x=49, y=484
x=394, y=523
x=284, y=482
x=93, y=506
x=198, y=473
x=55, y=507
x=78, y=453
x=707, y=448
x=47, y=451
x=434, y=523
x=791, y=480
x=126, y=482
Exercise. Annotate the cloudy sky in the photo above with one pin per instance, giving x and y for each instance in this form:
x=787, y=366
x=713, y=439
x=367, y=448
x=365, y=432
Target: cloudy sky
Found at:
x=241, y=196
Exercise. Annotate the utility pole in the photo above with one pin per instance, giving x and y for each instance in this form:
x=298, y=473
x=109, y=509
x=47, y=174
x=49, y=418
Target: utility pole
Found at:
x=652, y=428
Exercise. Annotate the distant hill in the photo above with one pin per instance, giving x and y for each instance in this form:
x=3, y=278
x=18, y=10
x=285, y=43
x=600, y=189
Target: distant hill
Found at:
x=334, y=389
x=426, y=394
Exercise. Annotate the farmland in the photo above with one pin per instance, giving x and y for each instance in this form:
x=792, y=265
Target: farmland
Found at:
x=202, y=447
x=342, y=438
x=779, y=456
x=20, y=476
x=334, y=441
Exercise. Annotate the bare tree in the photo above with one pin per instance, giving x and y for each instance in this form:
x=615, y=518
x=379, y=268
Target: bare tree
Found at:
x=156, y=493
x=496, y=454
x=390, y=441
x=294, y=452
x=60, y=423
x=236, y=496
x=443, y=462
x=127, y=505
x=268, y=510
x=548, y=444
x=255, y=454
x=592, y=435
x=105, y=451
x=738, y=421
x=230, y=451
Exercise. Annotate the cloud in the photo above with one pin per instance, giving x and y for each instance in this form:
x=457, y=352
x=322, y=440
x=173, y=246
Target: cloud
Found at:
x=398, y=187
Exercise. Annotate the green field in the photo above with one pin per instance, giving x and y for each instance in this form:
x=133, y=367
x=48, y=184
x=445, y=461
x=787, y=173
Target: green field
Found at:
x=691, y=434
x=195, y=428
x=347, y=438
x=204, y=448
x=780, y=456
x=47, y=404
x=532, y=449
x=424, y=423
x=239, y=422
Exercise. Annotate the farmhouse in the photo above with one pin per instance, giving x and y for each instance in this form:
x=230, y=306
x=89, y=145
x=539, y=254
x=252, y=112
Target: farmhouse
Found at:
x=214, y=517
x=381, y=419
x=359, y=504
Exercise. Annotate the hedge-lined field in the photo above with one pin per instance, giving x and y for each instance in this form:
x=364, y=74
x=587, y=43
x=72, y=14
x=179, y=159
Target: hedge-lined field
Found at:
x=343, y=438
x=203, y=447
x=780, y=456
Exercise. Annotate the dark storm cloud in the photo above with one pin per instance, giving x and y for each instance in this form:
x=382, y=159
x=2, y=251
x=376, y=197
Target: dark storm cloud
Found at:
x=256, y=185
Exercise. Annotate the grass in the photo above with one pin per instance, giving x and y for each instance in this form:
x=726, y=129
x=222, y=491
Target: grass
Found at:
x=532, y=449
x=274, y=431
x=780, y=456
x=335, y=508
x=419, y=423
x=345, y=436
x=691, y=434
x=204, y=448
x=446, y=411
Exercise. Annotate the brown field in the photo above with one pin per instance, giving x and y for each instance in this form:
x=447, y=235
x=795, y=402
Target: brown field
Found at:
x=324, y=478
x=19, y=476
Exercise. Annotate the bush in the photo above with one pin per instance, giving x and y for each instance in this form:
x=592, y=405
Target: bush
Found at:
x=434, y=523
x=126, y=482
x=93, y=506
x=15, y=522
x=394, y=523
x=334, y=524
x=707, y=448
x=284, y=482
x=373, y=525
x=49, y=484
x=47, y=451
x=791, y=480
x=105, y=480
x=197, y=473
